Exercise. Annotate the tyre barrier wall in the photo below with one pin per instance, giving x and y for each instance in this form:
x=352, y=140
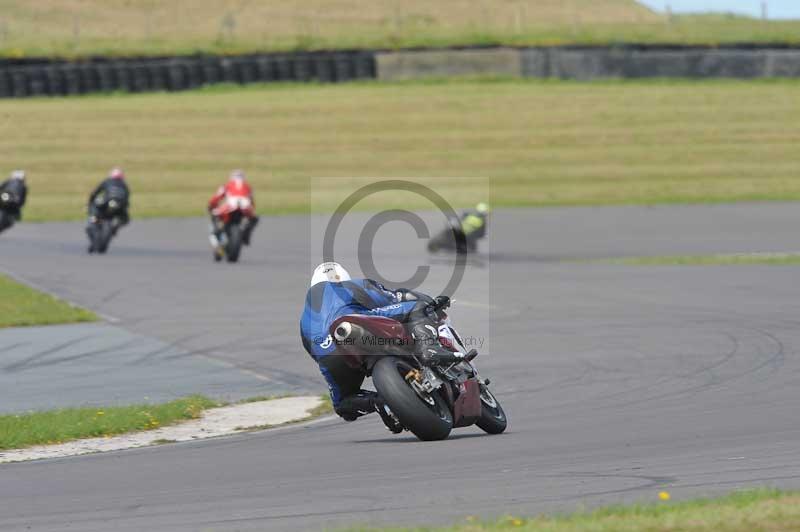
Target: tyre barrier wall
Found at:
x=39, y=77
x=176, y=74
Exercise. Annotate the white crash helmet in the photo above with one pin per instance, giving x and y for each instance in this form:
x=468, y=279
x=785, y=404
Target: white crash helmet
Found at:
x=18, y=174
x=329, y=272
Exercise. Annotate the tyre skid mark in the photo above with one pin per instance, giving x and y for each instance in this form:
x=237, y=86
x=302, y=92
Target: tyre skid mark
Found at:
x=16, y=366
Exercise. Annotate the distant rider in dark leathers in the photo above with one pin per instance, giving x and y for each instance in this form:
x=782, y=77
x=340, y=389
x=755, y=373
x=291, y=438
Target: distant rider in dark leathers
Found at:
x=15, y=190
x=111, y=188
x=334, y=294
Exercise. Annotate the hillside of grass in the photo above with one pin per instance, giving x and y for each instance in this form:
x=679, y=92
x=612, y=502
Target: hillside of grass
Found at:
x=539, y=142
x=124, y=27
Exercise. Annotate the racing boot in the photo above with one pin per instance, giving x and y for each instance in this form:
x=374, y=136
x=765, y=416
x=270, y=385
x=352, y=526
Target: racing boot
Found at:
x=362, y=403
x=354, y=406
x=248, y=231
x=90, y=233
x=213, y=238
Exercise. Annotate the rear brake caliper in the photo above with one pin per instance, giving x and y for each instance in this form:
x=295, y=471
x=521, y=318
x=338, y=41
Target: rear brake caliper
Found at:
x=413, y=374
x=414, y=379
x=423, y=382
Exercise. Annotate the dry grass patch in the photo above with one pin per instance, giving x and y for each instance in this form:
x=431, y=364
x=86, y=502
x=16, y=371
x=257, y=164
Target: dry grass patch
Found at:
x=85, y=27
x=123, y=27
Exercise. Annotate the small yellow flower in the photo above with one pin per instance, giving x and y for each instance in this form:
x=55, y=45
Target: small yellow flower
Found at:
x=664, y=495
x=517, y=521
x=100, y=412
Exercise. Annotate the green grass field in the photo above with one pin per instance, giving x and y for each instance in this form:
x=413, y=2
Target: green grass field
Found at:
x=20, y=305
x=540, y=142
x=763, y=510
x=124, y=27
x=57, y=426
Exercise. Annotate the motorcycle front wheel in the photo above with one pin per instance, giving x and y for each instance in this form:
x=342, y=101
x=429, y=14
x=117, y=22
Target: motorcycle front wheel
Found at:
x=493, y=418
x=428, y=417
x=102, y=235
x=234, y=245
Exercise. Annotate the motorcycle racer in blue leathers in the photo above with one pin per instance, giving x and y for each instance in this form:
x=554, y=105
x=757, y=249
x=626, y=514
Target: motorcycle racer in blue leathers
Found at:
x=334, y=294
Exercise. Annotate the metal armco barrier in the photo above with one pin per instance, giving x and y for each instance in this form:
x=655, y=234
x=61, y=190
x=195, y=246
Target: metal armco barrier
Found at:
x=584, y=63
x=593, y=63
x=62, y=78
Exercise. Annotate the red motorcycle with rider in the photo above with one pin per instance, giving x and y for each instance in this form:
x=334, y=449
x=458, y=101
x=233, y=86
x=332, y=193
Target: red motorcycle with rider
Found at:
x=233, y=218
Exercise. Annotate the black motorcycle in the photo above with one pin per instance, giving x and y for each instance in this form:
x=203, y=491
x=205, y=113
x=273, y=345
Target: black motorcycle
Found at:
x=9, y=205
x=452, y=238
x=103, y=223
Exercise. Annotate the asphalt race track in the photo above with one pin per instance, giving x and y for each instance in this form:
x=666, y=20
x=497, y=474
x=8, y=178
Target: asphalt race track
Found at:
x=619, y=381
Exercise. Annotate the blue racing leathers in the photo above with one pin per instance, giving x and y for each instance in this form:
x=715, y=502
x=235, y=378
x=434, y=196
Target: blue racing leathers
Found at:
x=327, y=301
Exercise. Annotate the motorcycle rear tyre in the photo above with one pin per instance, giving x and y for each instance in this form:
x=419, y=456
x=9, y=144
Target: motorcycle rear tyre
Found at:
x=427, y=422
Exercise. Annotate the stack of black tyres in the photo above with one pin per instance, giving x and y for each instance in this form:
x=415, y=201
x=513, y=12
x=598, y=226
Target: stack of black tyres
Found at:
x=63, y=78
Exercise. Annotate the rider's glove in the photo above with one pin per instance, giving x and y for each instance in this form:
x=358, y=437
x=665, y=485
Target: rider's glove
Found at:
x=440, y=303
x=438, y=356
x=404, y=294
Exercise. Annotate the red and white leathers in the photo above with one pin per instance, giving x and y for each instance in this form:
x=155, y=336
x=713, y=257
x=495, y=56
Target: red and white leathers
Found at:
x=234, y=195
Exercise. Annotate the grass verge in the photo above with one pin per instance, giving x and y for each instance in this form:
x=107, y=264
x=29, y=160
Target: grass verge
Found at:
x=21, y=306
x=777, y=259
x=18, y=431
x=540, y=143
x=58, y=426
x=739, y=512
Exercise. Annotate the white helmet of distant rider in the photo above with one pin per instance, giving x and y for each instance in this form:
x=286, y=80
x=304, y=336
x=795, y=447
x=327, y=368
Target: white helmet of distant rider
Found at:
x=332, y=272
x=18, y=175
